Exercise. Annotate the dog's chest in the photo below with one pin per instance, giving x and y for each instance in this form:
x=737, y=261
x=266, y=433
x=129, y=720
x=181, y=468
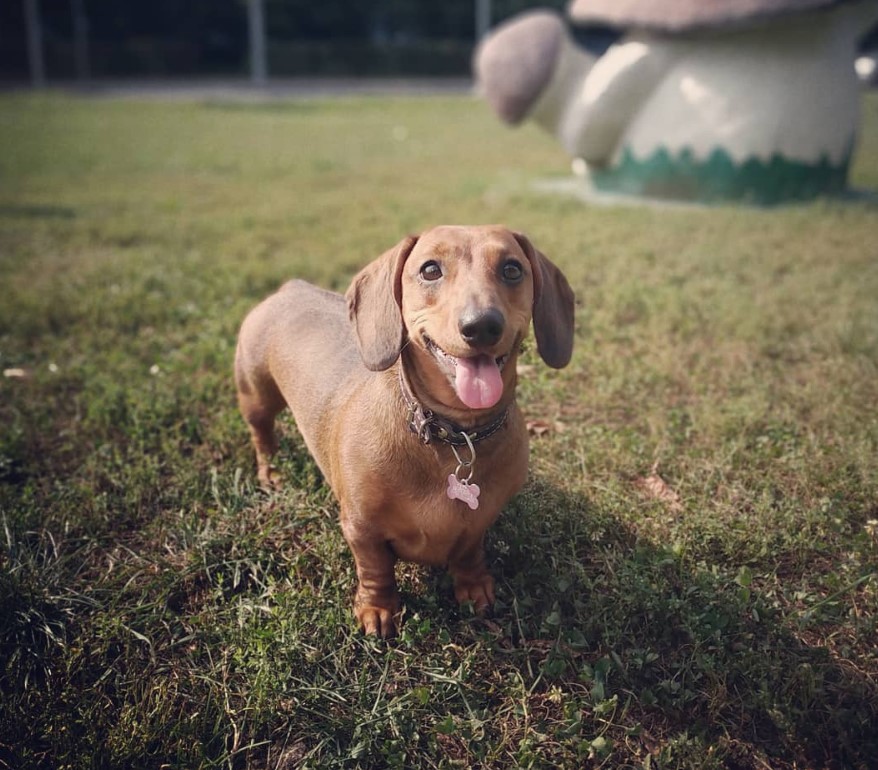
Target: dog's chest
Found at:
x=433, y=520
x=433, y=531
x=396, y=488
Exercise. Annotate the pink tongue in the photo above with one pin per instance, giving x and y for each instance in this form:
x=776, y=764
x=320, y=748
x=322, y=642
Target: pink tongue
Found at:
x=478, y=382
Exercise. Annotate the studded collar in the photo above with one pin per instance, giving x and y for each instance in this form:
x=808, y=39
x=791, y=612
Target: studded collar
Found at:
x=429, y=426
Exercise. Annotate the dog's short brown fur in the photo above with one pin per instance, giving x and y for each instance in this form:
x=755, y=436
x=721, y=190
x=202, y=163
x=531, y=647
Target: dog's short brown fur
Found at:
x=468, y=291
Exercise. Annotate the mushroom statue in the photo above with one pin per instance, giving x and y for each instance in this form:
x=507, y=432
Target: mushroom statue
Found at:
x=749, y=100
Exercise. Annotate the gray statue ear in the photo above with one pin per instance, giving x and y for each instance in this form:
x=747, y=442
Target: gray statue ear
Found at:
x=554, y=307
x=515, y=63
x=374, y=301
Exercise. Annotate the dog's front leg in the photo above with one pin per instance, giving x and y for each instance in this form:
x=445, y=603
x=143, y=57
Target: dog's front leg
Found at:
x=376, y=604
x=472, y=581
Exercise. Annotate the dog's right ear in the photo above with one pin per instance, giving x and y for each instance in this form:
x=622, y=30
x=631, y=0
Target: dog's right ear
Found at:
x=374, y=306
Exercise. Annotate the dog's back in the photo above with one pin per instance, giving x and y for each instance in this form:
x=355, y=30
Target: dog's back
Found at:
x=303, y=329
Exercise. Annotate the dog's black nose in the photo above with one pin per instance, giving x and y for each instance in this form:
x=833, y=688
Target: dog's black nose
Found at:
x=482, y=328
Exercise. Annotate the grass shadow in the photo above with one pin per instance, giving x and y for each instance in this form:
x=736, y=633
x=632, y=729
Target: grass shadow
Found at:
x=707, y=661
x=35, y=211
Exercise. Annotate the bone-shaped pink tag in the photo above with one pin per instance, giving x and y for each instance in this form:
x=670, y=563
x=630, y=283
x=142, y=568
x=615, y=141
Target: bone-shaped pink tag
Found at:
x=463, y=490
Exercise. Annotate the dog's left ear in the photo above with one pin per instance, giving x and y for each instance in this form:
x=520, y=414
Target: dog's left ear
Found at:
x=374, y=306
x=554, y=307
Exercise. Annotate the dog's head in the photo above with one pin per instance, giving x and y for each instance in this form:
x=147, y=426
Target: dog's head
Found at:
x=462, y=299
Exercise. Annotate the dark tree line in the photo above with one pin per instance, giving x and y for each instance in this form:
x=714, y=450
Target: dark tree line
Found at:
x=170, y=37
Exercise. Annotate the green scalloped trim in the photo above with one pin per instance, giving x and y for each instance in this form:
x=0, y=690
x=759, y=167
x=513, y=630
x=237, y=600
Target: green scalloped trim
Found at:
x=719, y=178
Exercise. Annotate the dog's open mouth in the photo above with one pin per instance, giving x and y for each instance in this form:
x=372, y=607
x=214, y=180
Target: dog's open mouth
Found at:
x=476, y=379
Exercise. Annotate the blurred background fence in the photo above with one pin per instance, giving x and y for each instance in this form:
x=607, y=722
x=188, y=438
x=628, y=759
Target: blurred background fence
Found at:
x=67, y=40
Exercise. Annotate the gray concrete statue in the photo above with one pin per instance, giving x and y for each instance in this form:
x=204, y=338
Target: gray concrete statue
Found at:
x=753, y=100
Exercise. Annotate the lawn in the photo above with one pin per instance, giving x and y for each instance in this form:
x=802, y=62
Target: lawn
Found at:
x=689, y=580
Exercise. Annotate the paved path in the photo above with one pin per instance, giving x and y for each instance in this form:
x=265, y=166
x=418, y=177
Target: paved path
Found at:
x=280, y=88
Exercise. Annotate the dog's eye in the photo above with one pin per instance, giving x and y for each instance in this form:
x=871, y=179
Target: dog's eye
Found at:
x=430, y=271
x=512, y=272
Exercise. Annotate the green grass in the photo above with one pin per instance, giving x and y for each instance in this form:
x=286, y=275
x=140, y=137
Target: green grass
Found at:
x=158, y=610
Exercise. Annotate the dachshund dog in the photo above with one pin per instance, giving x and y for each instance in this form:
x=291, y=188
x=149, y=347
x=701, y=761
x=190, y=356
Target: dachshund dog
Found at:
x=404, y=392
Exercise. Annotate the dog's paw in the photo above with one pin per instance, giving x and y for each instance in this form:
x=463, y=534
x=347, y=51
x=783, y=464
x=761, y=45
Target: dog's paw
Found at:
x=479, y=591
x=377, y=621
x=269, y=478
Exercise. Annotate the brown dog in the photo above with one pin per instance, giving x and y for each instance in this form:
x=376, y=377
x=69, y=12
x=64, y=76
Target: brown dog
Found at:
x=404, y=391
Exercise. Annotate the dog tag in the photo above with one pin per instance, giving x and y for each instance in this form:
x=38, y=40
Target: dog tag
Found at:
x=463, y=491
